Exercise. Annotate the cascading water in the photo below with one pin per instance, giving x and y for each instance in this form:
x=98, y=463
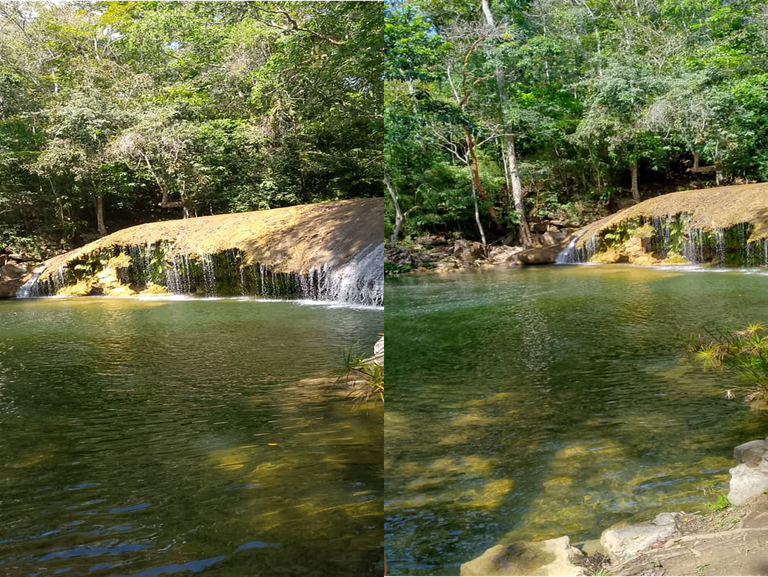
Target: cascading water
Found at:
x=573, y=254
x=672, y=237
x=30, y=289
x=360, y=281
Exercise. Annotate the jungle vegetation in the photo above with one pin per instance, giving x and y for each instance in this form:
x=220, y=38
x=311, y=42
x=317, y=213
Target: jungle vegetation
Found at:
x=501, y=112
x=117, y=113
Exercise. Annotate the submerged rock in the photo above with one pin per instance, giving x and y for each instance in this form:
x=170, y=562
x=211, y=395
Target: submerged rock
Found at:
x=551, y=557
x=749, y=479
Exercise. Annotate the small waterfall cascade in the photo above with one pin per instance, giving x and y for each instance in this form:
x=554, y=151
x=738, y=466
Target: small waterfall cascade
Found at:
x=671, y=238
x=359, y=281
x=30, y=289
x=573, y=254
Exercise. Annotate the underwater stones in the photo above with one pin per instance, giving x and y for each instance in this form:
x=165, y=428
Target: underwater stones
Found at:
x=750, y=478
x=551, y=557
x=628, y=540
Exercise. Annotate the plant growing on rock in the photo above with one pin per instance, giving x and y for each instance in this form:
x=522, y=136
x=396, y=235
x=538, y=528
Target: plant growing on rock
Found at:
x=744, y=351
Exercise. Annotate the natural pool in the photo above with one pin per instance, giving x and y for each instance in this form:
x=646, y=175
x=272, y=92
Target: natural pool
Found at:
x=541, y=402
x=149, y=437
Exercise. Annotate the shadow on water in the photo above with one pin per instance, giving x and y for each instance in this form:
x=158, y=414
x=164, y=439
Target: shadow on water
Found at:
x=535, y=403
x=148, y=438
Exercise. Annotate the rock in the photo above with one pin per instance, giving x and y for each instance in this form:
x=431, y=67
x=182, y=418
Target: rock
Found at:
x=552, y=557
x=628, y=540
x=550, y=238
x=402, y=257
x=751, y=453
x=539, y=227
x=12, y=276
x=502, y=254
x=539, y=255
x=749, y=479
x=467, y=250
x=378, y=354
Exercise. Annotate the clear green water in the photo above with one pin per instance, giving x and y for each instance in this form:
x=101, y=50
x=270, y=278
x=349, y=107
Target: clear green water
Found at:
x=170, y=437
x=535, y=403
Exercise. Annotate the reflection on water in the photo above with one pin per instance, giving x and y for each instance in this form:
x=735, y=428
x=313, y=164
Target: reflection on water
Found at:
x=535, y=403
x=168, y=437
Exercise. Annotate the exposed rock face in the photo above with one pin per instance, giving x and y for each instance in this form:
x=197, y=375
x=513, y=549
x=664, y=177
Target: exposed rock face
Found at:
x=12, y=276
x=552, y=557
x=628, y=540
x=722, y=226
x=324, y=251
x=749, y=479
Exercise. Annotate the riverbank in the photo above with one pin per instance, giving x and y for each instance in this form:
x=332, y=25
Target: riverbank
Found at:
x=729, y=540
x=720, y=226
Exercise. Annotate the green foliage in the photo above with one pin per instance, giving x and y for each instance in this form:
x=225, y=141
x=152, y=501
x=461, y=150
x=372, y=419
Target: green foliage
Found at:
x=745, y=352
x=200, y=108
x=367, y=377
x=591, y=89
x=721, y=504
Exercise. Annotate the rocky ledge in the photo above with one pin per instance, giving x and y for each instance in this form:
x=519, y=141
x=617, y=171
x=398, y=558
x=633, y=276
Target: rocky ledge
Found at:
x=728, y=541
x=451, y=253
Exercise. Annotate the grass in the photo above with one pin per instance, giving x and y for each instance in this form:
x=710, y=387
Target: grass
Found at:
x=720, y=505
x=700, y=569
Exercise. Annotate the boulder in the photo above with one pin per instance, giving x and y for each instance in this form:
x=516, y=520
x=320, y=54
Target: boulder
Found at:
x=551, y=557
x=403, y=257
x=550, y=238
x=538, y=255
x=502, y=254
x=467, y=250
x=750, y=478
x=628, y=540
x=12, y=276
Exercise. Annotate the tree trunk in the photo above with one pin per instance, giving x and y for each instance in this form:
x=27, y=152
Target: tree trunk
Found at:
x=477, y=208
x=695, y=161
x=635, y=189
x=475, y=172
x=100, y=215
x=398, y=212
x=510, y=157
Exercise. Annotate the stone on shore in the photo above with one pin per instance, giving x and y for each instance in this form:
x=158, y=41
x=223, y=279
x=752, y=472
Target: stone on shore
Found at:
x=628, y=540
x=552, y=557
x=750, y=478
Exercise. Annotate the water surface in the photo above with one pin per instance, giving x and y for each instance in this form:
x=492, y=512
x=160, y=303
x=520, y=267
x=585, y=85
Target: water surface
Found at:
x=541, y=402
x=149, y=437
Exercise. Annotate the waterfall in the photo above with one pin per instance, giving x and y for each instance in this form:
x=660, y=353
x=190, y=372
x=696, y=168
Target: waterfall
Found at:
x=359, y=281
x=569, y=255
x=31, y=288
x=572, y=254
x=671, y=239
